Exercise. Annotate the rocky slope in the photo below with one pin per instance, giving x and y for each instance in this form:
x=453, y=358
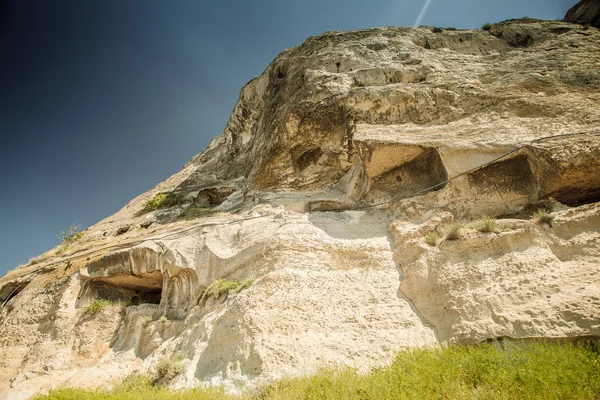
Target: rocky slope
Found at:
x=329, y=197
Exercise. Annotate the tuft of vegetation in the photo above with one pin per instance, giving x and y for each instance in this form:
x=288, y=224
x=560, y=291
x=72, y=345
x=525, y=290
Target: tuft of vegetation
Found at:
x=195, y=210
x=72, y=235
x=536, y=370
x=454, y=232
x=224, y=287
x=129, y=303
x=168, y=368
x=146, y=321
x=97, y=305
x=487, y=26
x=163, y=200
x=486, y=225
x=542, y=216
x=432, y=238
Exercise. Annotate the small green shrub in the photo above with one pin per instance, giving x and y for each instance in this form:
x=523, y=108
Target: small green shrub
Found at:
x=146, y=321
x=224, y=287
x=72, y=235
x=486, y=225
x=542, y=216
x=163, y=200
x=169, y=368
x=487, y=26
x=454, y=232
x=432, y=238
x=97, y=305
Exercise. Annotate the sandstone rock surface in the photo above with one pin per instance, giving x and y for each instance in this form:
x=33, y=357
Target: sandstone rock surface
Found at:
x=328, y=196
x=585, y=12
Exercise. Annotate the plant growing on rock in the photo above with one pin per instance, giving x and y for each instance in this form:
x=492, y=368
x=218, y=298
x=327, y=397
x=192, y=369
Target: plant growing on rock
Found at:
x=163, y=200
x=72, y=235
x=486, y=225
x=454, y=232
x=169, y=368
x=542, y=216
x=486, y=26
x=224, y=287
x=96, y=306
x=432, y=238
x=146, y=321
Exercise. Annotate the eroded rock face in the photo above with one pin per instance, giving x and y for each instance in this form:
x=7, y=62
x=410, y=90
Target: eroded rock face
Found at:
x=585, y=12
x=324, y=205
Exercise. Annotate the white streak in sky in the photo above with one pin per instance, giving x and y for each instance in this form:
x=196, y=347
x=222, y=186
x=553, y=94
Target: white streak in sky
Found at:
x=422, y=13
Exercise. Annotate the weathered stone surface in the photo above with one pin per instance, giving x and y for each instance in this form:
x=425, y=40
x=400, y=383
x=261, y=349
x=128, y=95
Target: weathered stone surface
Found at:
x=585, y=12
x=336, y=166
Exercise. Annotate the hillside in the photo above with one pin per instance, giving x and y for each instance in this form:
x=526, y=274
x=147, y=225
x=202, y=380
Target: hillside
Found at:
x=372, y=191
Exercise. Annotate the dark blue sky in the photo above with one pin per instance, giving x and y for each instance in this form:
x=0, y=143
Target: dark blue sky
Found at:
x=102, y=99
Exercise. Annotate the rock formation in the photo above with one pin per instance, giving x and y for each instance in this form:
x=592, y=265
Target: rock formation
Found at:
x=585, y=12
x=325, y=207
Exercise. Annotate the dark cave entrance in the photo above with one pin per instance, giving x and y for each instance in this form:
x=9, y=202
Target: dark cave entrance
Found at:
x=506, y=179
x=576, y=195
x=127, y=289
x=213, y=197
x=423, y=174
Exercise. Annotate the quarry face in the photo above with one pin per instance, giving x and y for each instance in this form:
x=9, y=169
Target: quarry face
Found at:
x=337, y=219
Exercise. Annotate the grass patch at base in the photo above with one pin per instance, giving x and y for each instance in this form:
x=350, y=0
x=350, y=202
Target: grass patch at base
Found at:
x=536, y=370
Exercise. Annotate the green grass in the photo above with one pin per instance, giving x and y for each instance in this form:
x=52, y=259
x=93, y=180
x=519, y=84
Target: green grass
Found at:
x=72, y=235
x=97, y=305
x=432, y=238
x=454, y=232
x=486, y=26
x=146, y=321
x=486, y=225
x=541, y=216
x=163, y=200
x=224, y=287
x=536, y=370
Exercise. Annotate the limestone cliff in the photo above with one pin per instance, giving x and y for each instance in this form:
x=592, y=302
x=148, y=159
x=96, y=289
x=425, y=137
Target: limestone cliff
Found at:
x=326, y=203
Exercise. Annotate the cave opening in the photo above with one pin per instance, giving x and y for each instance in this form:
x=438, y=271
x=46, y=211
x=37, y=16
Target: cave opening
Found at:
x=576, y=195
x=213, y=197
x=510, y=182
x=418, y=176
x=127, y=289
